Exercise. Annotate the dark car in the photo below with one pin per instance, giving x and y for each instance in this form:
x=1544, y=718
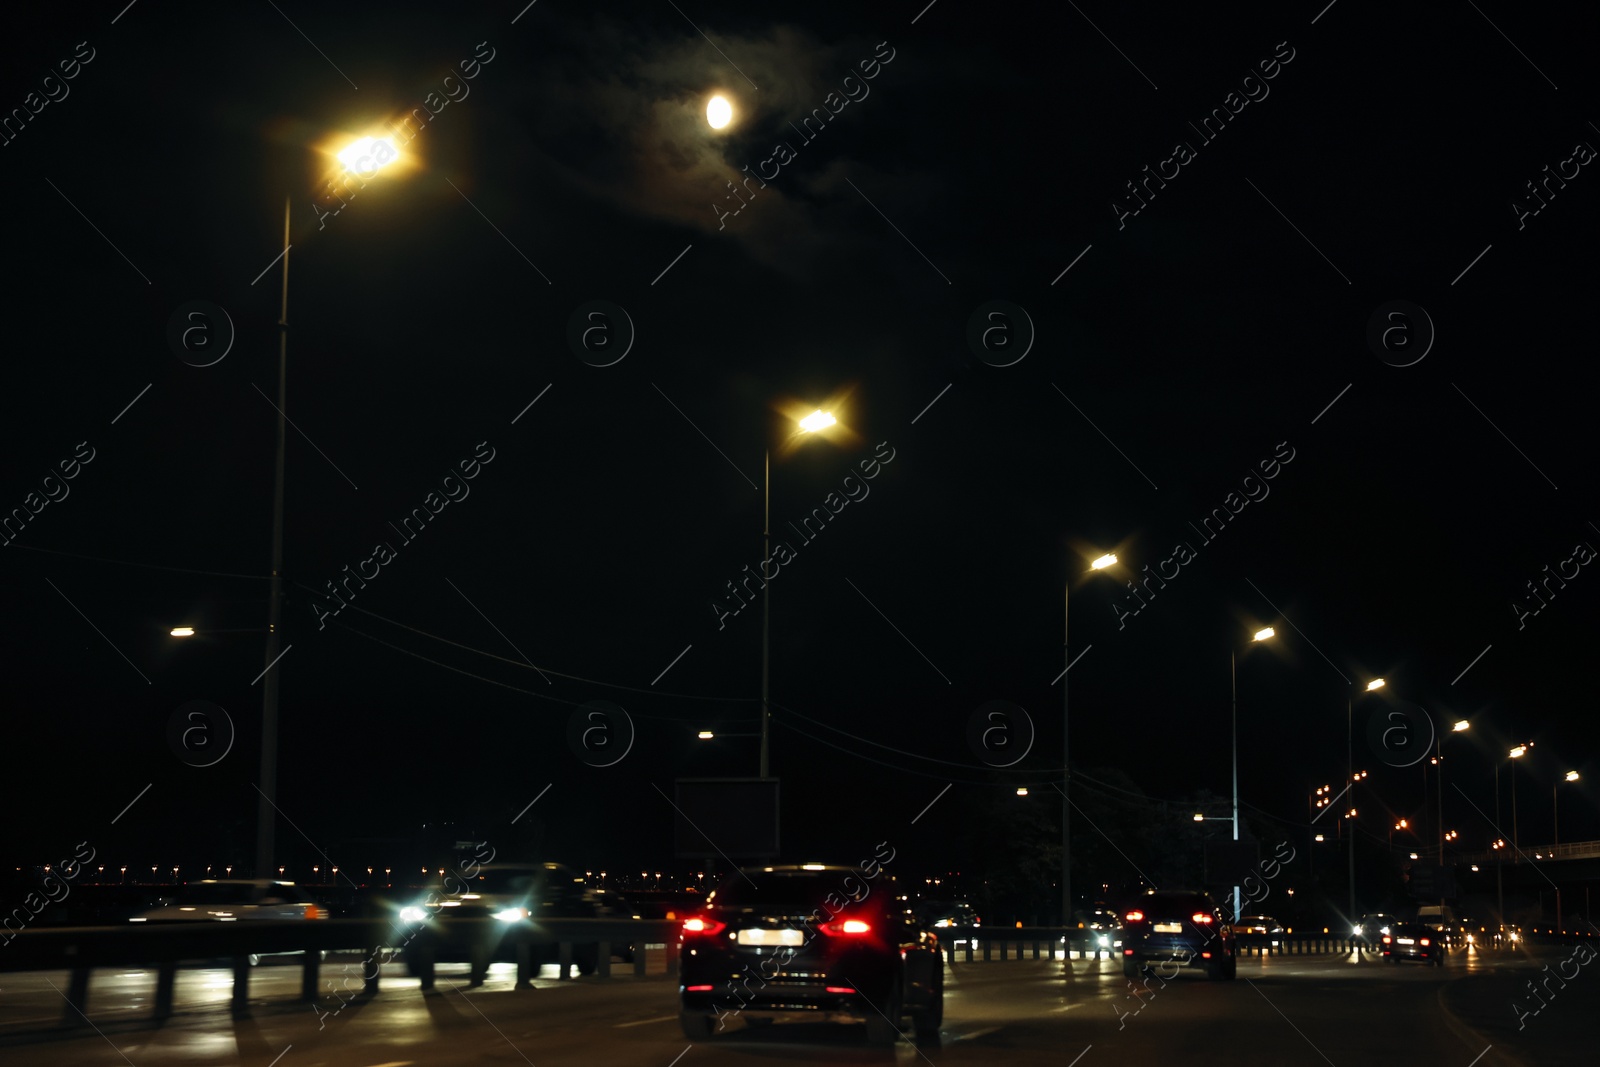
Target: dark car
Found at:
x=948, y=915
x=1183, y=927
x=517, y=896
x=1099, y=927
x=1370, y=928
x=1413, y=941
x=815, y=941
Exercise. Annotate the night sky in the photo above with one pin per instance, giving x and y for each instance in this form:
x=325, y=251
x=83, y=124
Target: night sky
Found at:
x=1201, y=293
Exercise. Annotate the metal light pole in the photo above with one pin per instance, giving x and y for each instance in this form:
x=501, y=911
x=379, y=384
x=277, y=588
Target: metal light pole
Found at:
x=1066, y=762
x=1350, y=777
x=1066, y=785
x=266, y=808
x=1233, y=681
x=1260, y=635
x=1499, y=862
x=766, y=606
x=1555, y=818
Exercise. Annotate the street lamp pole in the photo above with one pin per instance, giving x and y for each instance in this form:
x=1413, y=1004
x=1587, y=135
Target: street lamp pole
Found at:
x=1066, y=785
x=266, y=808
x=766, y=606
x=1350, y=777
x=1234, y=682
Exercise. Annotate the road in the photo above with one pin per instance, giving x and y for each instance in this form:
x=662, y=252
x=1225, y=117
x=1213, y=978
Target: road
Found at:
x=1282, y=1010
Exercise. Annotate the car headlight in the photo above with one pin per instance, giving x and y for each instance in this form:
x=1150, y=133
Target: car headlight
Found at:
x=413, y=915
x=511, y=915
x=1105, y=942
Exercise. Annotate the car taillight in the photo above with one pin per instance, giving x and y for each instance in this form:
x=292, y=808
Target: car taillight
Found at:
x=313, y=912
x=1134, y=917
x=838, y=989
x=847, y=926
x=1201, y=917
x=702, y=927
x=1424, y=941
x=1386, y=939
x=697, y=989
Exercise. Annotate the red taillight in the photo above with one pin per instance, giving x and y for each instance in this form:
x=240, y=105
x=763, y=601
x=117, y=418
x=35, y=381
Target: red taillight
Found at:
x=1127, y=952
x=1202, y=917
x=1205, y=955
x=1424, y=941
x=697, y=989
x=1385, y=939
x=847, y=926
x=1134, y=917
x=837, y=989
x=313, y=912
x=703, y=927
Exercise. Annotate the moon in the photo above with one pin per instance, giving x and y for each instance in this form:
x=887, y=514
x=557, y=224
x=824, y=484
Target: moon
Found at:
x=719, y=112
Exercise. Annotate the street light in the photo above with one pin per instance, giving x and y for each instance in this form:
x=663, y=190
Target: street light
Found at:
x=719, y=112
x=1100, y=563
x=815, y=422
x=1349, y=719
x=380, y=152
x=1555, y=810
x=1555, y=819
x=1263, y=634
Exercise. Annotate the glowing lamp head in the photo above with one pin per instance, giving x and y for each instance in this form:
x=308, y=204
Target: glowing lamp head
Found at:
x=1572, y=776
x=817, y=420
x=1264, y=633
x=719, y=112
x=1519, y=752
x=1376, y=683
x=368, y=155
x=705, y=735
x=183, y=631
x=1104, y=561
x=1461, y=724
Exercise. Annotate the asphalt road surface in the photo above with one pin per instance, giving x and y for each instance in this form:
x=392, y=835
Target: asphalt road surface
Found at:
x=1282, y=1010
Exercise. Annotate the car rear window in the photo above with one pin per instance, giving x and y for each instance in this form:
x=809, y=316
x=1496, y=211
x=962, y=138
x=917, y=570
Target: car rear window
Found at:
x=802, y=890
x=210, y=895
x=1180, y=904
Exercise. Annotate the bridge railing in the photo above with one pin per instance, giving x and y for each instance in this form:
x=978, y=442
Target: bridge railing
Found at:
x=81, y=950
x=992, y=944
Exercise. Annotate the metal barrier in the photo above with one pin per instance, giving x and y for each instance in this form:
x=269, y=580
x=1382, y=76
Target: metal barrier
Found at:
x=82, y=949
x=1003, y=944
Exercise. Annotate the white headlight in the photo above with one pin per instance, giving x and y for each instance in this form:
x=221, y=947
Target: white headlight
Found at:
x=413, y=915
x=511, y=915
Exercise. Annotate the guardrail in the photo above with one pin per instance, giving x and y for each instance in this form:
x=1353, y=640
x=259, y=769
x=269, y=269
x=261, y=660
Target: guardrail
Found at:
x=81, y=950
x=1041, y=942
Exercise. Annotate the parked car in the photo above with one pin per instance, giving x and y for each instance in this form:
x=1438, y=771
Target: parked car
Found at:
x=1183, y=927
x=1413, y=941
x=798, y=941
x=517, y=895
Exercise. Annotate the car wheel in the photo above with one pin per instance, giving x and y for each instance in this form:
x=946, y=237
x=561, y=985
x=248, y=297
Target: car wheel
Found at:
x=883, y=1028
x=696, y=1026
x=1130, y=968
x=1216, y=969
x=587, y=961
x=1231, y=971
